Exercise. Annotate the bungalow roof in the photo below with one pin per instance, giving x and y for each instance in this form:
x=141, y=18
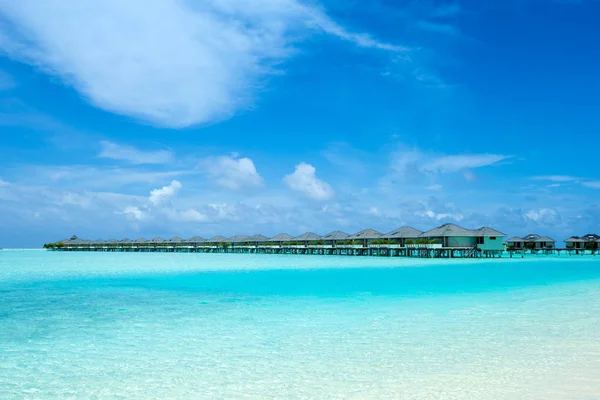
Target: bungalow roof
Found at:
x=196, y=239
x=237, y=239
x=282, y=237
x=366, y=234
x=448, y=230
x=515, y=239
x=308, y=237
x=336, y=235
x=574, y=239
x=256, y=238
x=487, y=231
x=217, y=239
x=403, y=233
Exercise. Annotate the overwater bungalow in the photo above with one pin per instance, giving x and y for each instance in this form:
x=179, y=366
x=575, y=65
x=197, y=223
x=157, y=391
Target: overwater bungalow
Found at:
x=175, y=241
x=516, y=242
x=157, y=241
x=575, y=242
x=452, y=235
x=590, y=241
x=402, y=235
x=335, y=237
x=256, y=240
x=365, y=236
x=194, y=241
x=532, y=242
x=278, y=240
x=307, y=238
x=216, y=239
x=140, y=241
x=237, y=239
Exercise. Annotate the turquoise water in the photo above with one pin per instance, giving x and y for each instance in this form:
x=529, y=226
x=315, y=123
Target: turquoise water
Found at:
x=156, y=326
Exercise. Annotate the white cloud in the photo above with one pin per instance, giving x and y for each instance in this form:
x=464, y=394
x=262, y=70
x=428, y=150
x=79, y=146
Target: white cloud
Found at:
x=172, y=63
x=436, y=187
x=232, y=172
x=592, y=184
x=133, y=155
x=190, y=215
x=543, y=215
x=164, y=194
x=305, y=181
x=456, y=163
x=410, y=163
x=556, y=178
x=135, y=213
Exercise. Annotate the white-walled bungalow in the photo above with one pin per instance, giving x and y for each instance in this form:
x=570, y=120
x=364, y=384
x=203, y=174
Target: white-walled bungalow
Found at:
x=334, y=238
x=307, y=238
x=451, y=235
x=365, y=236
x=278, y=240
x=401, y=235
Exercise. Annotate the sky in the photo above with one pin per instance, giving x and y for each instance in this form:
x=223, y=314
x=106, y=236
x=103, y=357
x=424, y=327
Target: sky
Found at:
x=182, y=118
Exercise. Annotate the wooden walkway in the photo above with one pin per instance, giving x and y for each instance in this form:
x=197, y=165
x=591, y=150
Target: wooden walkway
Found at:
x=415, y=251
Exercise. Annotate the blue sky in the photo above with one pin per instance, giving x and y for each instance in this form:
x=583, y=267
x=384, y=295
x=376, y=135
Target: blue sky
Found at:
x=128, y=119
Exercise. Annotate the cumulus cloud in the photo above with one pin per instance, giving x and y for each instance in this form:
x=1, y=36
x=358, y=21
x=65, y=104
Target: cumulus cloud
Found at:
x=305, y=181
x=134, y=213
x=232, y=172
x=133, y=155
x=160, y=205
x=164, y=194
x=172, y=63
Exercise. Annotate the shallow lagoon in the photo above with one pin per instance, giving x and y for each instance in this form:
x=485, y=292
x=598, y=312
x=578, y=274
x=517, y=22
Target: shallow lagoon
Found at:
x=81, y=325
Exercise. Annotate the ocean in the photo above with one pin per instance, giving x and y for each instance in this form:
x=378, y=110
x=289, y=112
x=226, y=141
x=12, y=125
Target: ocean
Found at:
x=203, y=326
